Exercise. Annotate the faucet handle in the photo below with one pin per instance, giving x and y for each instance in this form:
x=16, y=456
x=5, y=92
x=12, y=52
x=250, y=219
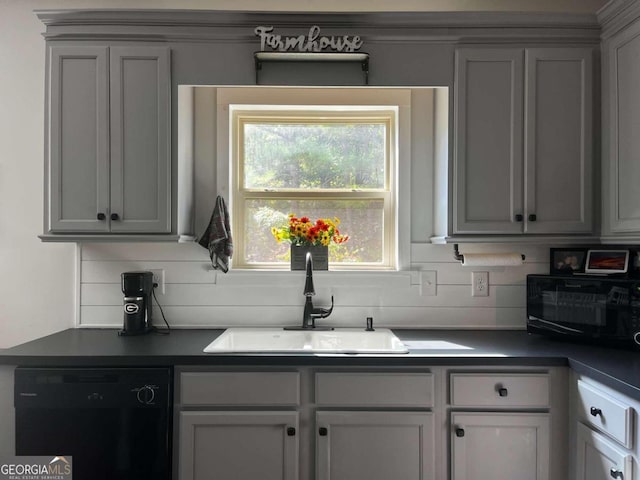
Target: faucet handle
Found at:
x=323, y=312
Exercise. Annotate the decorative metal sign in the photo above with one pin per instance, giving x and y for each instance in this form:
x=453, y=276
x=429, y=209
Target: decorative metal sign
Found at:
x=313, y=42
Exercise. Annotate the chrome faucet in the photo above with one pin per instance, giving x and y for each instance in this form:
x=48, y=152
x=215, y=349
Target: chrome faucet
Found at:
x=310, y=312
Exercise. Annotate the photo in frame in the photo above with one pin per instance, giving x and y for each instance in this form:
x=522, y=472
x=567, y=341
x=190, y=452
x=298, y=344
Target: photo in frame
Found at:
x=606, y=262
x=567, y=260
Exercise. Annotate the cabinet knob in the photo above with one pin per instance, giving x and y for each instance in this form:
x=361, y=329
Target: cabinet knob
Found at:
x=459, y=432
x=595, y=411
x=114, y=217
x=322, y=431
x=503, y=392
x=291, y=431
x=532, y=217
x=615, y=473
x=519, y=218
x=101, y=216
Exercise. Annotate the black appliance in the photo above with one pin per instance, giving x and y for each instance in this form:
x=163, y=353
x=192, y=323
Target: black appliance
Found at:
x=602, y=309
x=137, y=288
x=115, y=423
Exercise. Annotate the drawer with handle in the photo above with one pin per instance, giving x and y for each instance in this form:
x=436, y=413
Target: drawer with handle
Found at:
x=524, y=390
x=604, y=412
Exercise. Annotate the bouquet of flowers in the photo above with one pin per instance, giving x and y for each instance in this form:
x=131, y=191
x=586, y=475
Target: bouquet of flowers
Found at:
x=302, y=231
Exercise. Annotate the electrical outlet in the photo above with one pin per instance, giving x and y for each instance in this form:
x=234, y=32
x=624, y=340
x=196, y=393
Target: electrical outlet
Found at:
x=158, y=278
x=479, y=284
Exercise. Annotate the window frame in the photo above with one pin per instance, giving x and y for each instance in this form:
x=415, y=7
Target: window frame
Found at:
x=241, y=115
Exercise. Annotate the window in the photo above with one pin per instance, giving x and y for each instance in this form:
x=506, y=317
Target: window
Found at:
x=318, y=162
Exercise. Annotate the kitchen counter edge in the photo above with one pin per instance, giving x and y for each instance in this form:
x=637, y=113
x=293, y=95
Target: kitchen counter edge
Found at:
x=617, y=368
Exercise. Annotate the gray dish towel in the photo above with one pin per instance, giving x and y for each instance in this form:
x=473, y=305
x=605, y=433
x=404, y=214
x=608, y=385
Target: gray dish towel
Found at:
x=217, y=237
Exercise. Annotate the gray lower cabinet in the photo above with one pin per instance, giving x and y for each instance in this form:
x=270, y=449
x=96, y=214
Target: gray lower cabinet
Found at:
x=307, y=424
x=109, y=161
x=599, y=458
x=604, y=423
x=621, y=142
x=500, y=446
x=500, y=426
x=374, y=445
x=243, y=445
x=358, y=423
x=523, y=141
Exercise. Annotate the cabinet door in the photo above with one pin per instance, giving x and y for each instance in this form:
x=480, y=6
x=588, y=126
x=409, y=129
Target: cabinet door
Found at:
x=374, y=446
x=488, y=141
x=500, y=446
x=140, y=140
x=238, y=446
x=78, y=166
x=597, y=458
x=558, y=140
x=623, y=60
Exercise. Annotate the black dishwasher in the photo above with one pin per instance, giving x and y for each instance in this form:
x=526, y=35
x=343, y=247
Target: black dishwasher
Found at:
x=115, y=423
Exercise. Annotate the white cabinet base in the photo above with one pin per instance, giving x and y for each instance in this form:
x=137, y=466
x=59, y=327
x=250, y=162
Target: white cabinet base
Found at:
x=238, y=446
x=500, y=446
x=374, y=446
x=598, y=458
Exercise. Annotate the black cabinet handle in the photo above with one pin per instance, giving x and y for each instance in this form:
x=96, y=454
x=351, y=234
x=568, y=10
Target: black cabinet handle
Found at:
x=459, y=432
x=291, y=431
x=101, y=216
x=114, y=216
x=322, y=431
x=503, y=392
x=519, y=218
x=595, y=411
x=532, y=217
x=615, y=473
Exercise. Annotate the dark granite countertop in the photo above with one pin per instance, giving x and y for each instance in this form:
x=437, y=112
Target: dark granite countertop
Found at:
x=617, y=368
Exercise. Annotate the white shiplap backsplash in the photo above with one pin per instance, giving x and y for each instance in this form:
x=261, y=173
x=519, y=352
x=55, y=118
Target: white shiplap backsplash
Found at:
x=197, y=296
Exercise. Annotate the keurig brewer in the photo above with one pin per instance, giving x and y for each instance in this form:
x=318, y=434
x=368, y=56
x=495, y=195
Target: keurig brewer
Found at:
x=137, y=288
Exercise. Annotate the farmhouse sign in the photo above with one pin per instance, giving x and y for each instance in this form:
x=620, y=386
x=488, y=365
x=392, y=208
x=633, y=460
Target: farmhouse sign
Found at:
x=312, y=42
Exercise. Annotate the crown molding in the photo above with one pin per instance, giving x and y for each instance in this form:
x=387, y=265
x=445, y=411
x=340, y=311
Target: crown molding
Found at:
x=205, y=25
x=616, y=15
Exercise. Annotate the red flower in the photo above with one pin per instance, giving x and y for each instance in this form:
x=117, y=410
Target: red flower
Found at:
x=304, y=219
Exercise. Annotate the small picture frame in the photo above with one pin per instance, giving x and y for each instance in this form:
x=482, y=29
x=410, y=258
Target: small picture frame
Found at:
x=567, y=261
x=607, y=262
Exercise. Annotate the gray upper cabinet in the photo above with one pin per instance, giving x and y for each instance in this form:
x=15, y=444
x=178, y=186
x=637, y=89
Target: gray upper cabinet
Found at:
x=488, y=140
x=621, y=146
x=558, y=141
x=523, y=141
x=109, y=167
x=140, y=138
x=79, y=139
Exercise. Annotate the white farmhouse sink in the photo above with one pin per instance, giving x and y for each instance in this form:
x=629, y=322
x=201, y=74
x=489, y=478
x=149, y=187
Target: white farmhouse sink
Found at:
x=277, y=340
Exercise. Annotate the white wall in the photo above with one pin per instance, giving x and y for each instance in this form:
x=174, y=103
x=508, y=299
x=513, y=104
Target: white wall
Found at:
x=37, y=281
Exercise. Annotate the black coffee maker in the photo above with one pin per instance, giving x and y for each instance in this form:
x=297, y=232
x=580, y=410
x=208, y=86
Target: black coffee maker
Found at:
x=137, y=288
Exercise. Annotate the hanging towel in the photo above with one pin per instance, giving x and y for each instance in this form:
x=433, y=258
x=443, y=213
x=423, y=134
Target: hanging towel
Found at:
x=217, y=237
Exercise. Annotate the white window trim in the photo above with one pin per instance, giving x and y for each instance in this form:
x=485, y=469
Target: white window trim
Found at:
x=387, y=116
x=370, y=97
